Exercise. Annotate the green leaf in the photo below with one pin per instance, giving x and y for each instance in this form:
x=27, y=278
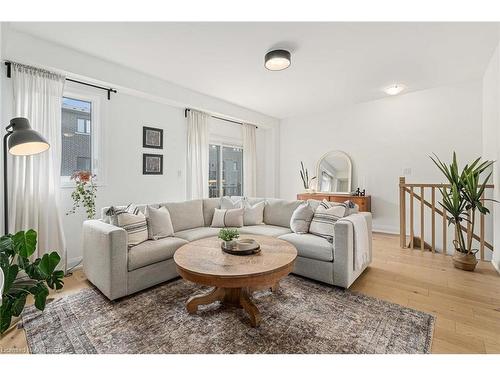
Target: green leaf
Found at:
x=10, y=274
x=55, y=281
x=25, y=243
x=34, y=272
x=22, y=262
x=6, y=245
x=49, y=263
x=19, y=303
x=41, y=293
x=5, y=314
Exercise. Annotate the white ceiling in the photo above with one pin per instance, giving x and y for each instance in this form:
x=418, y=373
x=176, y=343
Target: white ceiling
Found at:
x=333, y=64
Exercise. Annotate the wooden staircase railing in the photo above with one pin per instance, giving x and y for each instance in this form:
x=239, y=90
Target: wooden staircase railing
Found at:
x=419, y=241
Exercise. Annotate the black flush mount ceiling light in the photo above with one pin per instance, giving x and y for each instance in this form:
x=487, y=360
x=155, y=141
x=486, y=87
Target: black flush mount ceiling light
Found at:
x=277, y=59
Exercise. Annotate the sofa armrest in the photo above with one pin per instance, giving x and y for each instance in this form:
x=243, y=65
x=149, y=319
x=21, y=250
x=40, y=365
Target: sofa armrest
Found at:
x=343, y=252
x=105, y=257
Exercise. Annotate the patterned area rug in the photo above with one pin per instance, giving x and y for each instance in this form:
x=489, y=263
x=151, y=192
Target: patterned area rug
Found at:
x=302, y=317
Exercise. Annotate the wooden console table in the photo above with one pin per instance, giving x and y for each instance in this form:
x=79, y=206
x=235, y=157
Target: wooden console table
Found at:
x=364, y=203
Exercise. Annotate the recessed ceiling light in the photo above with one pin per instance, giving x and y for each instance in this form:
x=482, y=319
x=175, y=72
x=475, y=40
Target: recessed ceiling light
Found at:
x=394, y=89
x=277, y=59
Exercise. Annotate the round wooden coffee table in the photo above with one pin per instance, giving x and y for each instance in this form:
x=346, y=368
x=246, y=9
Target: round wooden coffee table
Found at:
x=234, y=277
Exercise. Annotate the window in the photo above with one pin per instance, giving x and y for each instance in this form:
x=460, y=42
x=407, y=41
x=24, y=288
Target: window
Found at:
x=225, y=173
x=76, y=136
x=83, y=164
x=81, y=135
x=82, y=125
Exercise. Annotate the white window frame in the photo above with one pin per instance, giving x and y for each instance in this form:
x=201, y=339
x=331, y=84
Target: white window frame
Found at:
x=96, y=143
x=221, y=145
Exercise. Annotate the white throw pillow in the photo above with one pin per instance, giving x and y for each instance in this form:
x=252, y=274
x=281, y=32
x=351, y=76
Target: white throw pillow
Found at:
x=325, y=217
x=301, y=218
x=227, y=203
x=159, y=222
x=352, y=208
x=227, y=218
x=135, y=225
x=253, y=215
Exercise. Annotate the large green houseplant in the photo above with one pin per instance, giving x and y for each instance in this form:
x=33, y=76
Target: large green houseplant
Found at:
x=23, y=277
x=462, y=199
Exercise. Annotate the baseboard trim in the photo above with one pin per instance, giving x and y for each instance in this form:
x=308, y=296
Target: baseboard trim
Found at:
x=387, y=229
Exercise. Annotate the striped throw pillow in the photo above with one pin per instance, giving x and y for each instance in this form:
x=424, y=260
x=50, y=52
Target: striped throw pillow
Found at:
x=325, y=217
x=112, y=212
x=135, y=225
x=227, y=218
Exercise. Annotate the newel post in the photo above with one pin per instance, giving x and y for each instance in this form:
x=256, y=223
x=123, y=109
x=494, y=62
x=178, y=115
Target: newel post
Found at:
x=402, y=212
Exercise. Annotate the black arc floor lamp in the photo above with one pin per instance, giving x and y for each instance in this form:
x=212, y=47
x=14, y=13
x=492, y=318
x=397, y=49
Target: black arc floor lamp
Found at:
x=20, y=140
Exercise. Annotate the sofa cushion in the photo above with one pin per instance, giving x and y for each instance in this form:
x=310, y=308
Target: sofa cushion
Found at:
x=150, y=252
x=310, y=246
x=254, y=208
x=227, y=203
x=352, y=207
x=301, y=218
x=186, y=215
x=209, y=206
x=251, y=200
x=228, y=218
x=279, y=212
x=254, y=213
x=264, y=230
x=135, y=225
x=325, y=217
x=159, y=223
x=197, y=233
x=110, y=214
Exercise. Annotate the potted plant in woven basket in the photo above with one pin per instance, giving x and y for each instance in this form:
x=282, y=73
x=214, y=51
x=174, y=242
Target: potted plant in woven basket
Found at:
x=462, y=199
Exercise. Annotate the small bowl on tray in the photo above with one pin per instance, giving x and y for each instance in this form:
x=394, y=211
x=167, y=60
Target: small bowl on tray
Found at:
x=245, y=246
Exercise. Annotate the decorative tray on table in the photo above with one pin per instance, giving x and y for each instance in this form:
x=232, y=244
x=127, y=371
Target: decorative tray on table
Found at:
x=242, y=247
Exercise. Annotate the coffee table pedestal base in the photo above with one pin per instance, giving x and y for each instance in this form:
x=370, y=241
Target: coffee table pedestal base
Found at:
x=239, y=297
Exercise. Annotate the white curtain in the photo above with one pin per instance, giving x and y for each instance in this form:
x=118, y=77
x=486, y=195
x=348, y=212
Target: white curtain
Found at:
x=249, y=161
x=34, y=180
x=197, y=154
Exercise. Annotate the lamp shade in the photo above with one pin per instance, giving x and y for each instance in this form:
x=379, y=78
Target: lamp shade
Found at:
x=25, y=141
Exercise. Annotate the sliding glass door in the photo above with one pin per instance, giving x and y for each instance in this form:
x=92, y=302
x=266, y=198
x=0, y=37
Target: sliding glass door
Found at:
x=225, y=173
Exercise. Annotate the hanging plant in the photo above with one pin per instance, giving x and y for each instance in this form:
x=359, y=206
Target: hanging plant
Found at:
x=84, y=193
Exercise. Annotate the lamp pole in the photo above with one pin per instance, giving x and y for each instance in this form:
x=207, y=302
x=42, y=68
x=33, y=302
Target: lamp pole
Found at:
x=5, y=192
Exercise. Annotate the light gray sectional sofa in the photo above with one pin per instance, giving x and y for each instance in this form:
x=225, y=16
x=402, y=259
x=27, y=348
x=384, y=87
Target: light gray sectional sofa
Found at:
x=118, y=271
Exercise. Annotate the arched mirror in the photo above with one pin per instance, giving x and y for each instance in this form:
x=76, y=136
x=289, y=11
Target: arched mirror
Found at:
x=334, y=173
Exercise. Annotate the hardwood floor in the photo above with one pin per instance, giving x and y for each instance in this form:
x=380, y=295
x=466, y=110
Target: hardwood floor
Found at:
x=466, y=304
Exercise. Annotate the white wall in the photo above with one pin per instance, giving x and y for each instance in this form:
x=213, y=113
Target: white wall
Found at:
x=141, y=100
x=382, y=138
x=491, y=139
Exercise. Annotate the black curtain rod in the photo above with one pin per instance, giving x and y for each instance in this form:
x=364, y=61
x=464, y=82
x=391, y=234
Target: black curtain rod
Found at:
x=219, y=118
x=108, y=89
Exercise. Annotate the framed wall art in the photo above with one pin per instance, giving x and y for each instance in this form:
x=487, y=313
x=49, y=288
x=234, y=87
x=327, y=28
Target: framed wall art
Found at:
x=152, y=164
x=152, y=137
